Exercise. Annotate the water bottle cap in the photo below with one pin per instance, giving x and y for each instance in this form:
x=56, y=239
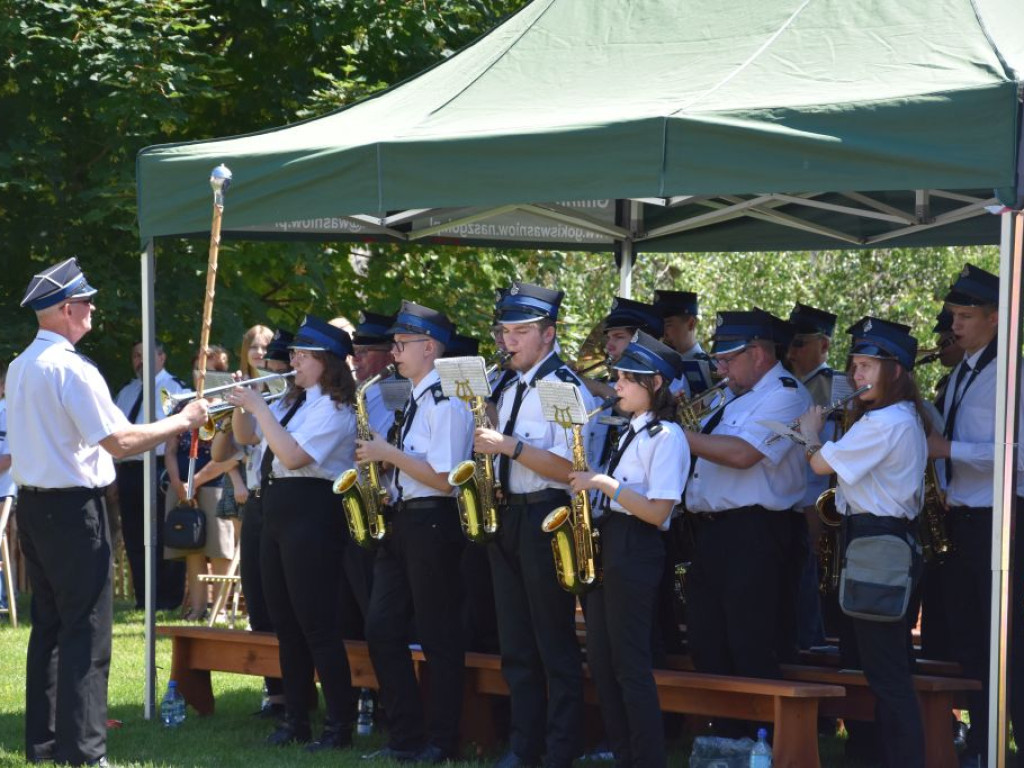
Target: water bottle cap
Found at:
x=173, y=684
x=762, y=733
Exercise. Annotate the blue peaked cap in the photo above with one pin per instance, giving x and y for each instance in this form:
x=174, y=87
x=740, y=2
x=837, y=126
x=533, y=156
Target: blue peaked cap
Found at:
x=56, y=284
x=415, y=318
x=627, y=313
x=527, y=303
x=320, y=336
x=874, y=337
x=973, y=288
x=645, y=354
x=373, y=329
x=734, y=330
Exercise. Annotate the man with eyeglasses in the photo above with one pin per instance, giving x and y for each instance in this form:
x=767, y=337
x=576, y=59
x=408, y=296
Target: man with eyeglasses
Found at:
x=65, y=431
x=741, y=494
x=418, y=566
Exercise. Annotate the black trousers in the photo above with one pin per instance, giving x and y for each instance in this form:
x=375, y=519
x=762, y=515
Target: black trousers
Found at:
x=301, y=550
x=252, y=577
x=355, y=585
x=170, y=574
x=620, y=615
x=416, y=574
x=885, y=653
x=733, y=591
x=65, y=538
x=540, y=655
x=969, y=585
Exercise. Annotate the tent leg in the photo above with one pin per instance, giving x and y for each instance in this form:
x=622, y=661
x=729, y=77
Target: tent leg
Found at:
x=148, y=278
x=1005, y=483
x=633, y=221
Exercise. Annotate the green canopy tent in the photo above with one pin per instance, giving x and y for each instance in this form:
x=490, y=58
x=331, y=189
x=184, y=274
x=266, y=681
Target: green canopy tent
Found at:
x=660, y=125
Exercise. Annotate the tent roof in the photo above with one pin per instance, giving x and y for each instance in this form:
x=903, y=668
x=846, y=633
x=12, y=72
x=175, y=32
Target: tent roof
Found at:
x=799, y=122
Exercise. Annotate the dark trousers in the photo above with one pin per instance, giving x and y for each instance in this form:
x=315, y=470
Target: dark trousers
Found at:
x=355, y=585
x=301, y=551
x=792, y=567
x=969, y=584
x=937, y=618
x=479, y=618
x=170, y=574
x=252, y=577
x=733, y=591
x=65, y=539
x=416, y=574
x=885, y=653
x=540, y=655
x=670, y=611
x=620, y=614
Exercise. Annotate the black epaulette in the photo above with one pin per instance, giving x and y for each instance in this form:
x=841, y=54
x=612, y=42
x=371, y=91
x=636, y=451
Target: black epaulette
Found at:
x=180, y=382
x=438, y=392
x=654, y=428
x=564, y=374
x=788, y=382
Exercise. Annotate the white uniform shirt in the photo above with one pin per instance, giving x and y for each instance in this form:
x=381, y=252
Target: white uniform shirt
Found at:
x=533, y=429
x=254, y=456
x=778, y=480
x=7, y=486
x=326, y=431
x=655, y=466
x=880, y=463
x=974, y=433
x=440, y=433
x=59, y=410
x=819, y=387
x=126, y=398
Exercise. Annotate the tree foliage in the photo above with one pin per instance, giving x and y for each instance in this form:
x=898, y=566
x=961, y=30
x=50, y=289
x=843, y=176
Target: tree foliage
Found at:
x=85, y=85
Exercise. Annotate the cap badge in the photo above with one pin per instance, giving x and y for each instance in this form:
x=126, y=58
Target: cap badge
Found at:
x=514, y=290
x=867, y=327
x=615, y=304
x=636, y=337
x=362, y=317
x=719, y=320
x=966, y=271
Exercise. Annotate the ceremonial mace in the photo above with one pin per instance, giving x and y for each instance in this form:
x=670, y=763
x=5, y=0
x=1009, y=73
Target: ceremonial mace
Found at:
x=220, y=180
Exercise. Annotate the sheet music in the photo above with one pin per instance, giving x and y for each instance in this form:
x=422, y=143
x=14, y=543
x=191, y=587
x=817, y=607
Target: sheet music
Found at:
x=561, y=402
x=394, y=392
x=463, y=377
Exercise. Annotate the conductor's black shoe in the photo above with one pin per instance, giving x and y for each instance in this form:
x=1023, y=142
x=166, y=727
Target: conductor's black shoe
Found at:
x=431, y=755
x=511, y=760
x=270, y=711
x=334, y=736
x=388, y=753
x=290, y=731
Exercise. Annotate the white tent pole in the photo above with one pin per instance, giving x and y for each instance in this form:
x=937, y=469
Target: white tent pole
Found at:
x=149, y=469
x=633, y=222
x=1004, y=481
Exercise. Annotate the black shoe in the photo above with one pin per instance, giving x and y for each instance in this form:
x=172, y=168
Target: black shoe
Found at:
x=270, y=711
x=100, y=762
x=388, y=753
x=290, y=731
x=335, y=736
x=431, y=755
x=511, y=760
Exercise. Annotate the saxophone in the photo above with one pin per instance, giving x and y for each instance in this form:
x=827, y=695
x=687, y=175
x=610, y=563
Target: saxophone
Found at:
x=363, y=494
x=935, y=541
x=475, y=479
x=574, y=540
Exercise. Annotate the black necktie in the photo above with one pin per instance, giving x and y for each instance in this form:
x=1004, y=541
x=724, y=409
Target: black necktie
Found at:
x=268, y=455
x=407, y=416
x=616, y=457
x=136, y=406
x=505, y=463
x=954, y=406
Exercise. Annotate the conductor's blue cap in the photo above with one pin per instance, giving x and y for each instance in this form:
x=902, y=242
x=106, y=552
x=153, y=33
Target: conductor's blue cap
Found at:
x=58, y=283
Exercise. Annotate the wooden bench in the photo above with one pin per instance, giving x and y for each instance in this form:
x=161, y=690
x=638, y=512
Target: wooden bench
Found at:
x=791, y=705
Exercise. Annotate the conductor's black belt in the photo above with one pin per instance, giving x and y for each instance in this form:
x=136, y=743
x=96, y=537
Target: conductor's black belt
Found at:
x=425, y=502
x=546, y=496
x=725, y=514
x=71, y=489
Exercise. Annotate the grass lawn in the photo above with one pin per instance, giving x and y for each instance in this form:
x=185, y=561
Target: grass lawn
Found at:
x=229, y=738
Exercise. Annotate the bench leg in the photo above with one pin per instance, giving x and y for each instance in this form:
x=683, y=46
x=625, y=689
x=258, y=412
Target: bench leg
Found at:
x=194, y=684
x=796, y=733
x=936, y=714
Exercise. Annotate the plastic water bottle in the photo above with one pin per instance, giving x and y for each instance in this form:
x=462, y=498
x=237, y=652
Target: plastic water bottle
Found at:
x=761, y=754
x=364, y=718
x=172, y=707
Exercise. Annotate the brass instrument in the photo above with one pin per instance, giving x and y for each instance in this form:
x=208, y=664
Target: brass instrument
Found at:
x=574, y=541
x=691, y=411
x=932, y=531
x=219, y=416
x=363, y=494
x=475, y=479
x=592, y=358
x=835, y=406
x=930, y=355
x=276, y=383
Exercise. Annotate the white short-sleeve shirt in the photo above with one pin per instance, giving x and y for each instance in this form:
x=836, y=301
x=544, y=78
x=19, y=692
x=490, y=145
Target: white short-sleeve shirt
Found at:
x=325, y=430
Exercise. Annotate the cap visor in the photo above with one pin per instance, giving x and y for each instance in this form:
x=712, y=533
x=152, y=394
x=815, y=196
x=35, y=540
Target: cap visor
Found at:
x=512, y=317
x=726, y=346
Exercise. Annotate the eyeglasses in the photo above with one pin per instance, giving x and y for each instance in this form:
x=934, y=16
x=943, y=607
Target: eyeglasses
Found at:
x=299, y=354
x=722, y=360
x=399, y=346
x=81, y=301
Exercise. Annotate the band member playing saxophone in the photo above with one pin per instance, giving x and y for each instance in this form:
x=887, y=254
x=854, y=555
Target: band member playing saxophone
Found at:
x=642, y=483
x=417, y=565
x=540, y=655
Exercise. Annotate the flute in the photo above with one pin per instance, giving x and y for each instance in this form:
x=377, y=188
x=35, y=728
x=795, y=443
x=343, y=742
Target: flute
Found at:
x=838, y=404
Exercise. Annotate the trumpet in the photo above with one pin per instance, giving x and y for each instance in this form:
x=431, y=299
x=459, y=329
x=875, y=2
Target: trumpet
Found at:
x=169, y=401
x=926, y=356
x=574, y=540
x=218, y=417
x=690, y=412
x=837, y=405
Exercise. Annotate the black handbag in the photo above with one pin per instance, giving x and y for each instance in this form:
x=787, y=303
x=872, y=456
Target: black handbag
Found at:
x=185, y=527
